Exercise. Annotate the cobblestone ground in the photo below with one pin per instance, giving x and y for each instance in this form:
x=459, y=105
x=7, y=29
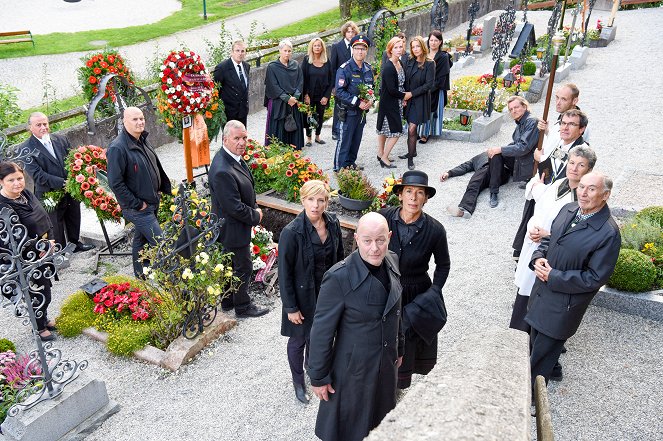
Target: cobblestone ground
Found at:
x=239, y=388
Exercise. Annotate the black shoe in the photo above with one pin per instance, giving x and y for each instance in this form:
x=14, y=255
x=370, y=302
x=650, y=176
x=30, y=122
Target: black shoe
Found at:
x=81, y=247
x=563, y=349
x=522, y=185
x=308, y=144
x=378, y=158
x=405, y=156
x=49, y=337
x=557, y=374
x=357, y=167
x=320, y=141
x=385, y=165
x=251, y=311
x=335, y=137
x=410, y=164
x=227, y=305
x=300, y=393
x=494, y=200
x=423, y=140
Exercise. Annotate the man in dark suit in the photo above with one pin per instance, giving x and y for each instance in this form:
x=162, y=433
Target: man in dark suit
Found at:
x=234, y=201
x=137, y=178
x=48, y=170
x=570, y=265
x=232, y=76
x=340, y=53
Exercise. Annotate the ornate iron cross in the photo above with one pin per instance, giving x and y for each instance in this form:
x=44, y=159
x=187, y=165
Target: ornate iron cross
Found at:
x=25, y=265
x=552, y=26
x=439, y=15
x=472, y=12
x=584, y=36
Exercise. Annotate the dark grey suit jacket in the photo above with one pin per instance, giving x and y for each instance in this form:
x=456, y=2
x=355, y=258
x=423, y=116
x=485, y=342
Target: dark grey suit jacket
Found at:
x=583, y=259
x=233, y=199
x=47, y=172
x=234, y=95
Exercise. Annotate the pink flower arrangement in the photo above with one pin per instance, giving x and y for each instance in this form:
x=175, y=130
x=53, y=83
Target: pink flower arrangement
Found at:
x=122, y=298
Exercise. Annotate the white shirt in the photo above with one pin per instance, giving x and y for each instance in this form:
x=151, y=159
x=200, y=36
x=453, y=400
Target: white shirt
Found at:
x=235, y=157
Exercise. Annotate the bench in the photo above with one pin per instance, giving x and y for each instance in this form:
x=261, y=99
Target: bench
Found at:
x=23, y=37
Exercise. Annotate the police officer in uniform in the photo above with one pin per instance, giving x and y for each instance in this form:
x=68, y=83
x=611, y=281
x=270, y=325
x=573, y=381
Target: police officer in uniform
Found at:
x=351, y=108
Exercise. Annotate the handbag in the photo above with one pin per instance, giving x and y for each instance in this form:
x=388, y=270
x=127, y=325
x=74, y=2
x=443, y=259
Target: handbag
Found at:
x=290, y=125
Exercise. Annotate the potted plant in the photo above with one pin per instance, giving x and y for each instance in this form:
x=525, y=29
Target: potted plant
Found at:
x=355, y=191
x=593, y=35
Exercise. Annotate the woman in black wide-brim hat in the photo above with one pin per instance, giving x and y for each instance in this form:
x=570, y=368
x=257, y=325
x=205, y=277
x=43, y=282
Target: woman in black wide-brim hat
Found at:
x=415, y=237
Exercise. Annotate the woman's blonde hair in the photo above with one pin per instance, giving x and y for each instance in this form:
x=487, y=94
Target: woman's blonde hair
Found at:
x=323, y=54
x=391, y=44
x=312, y=188
x=424, y=49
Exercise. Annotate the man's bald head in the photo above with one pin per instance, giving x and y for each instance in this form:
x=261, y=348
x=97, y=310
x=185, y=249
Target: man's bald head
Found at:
x=372, y=238
x=134, y=121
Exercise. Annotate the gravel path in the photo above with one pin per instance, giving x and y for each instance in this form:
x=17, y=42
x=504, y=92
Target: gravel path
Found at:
x=27, y=74
x=240, y=387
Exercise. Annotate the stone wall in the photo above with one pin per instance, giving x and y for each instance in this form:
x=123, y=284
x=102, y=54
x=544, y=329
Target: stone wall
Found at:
x=480, y=389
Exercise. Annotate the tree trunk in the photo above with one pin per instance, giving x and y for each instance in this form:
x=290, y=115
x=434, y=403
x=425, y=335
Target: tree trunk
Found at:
x=345, y=6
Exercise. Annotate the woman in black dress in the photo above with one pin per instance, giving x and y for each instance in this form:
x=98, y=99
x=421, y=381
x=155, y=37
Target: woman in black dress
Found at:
x=419, y=80
x=284, y=83
x=443, y=63
x=415, y=237
x=308, y=247
x=318, y=84
x=392, y=95
x=32, y=215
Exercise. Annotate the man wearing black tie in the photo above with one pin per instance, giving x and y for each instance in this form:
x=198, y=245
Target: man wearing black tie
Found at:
x=232, y=76
x=234, y=200
x=48, y=171
x=340, y=53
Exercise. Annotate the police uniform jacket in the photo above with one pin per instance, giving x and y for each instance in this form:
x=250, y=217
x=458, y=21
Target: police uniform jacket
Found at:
x=348, y=78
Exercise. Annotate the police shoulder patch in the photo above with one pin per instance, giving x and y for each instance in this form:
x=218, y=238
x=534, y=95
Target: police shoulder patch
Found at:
x=341, y=82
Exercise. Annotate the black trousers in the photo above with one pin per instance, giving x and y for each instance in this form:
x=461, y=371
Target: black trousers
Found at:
x=66, y=218
x=319, y=112
x=298, y=349
x=478, y=182
x=335, y=120
x=243, y=268
x=528, y=212
x=500, y=169
x=518, y=314
x=544, y=353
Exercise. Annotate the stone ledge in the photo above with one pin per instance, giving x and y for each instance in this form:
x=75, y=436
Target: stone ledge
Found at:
x=480, y=389
x=648, y=304
x=181, y=350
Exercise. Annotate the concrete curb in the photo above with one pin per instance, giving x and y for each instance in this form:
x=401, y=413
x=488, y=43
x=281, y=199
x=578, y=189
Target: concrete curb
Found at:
x=647, y=304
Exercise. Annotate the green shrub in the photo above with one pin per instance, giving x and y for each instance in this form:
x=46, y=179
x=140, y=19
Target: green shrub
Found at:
x=128, y=337
x=9, y=110
x=76, y=314
x=639, y=231
x=6, y=345
x=529, y=68
x=653, y=214
x=634, y=272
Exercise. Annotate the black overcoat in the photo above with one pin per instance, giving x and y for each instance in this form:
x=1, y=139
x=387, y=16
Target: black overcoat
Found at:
x=355, y=344
x=297, y=271
x=49, y=173
x=389, y=99
x=442, y=69
x=233, y=199
x=420, y=82
x=583, y=259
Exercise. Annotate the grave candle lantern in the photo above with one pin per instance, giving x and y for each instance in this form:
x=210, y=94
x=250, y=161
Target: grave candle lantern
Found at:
x=509, y=79
x=465, y=117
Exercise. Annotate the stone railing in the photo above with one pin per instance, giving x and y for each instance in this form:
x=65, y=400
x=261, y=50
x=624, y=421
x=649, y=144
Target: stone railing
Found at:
x=480, y=389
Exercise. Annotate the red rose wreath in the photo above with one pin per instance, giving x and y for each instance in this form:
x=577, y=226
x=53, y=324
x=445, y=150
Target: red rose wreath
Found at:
x=185, y=82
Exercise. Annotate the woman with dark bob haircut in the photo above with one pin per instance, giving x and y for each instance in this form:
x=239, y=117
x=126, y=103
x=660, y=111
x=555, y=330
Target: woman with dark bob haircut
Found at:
x=34, y=218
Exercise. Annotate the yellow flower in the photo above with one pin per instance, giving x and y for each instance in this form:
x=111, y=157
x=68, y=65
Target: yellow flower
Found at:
x=187, y=274
x=229, y=273
x=388, y=189
x=174, y=191
x=218, y=268
x=210, y=290
x=390, y=181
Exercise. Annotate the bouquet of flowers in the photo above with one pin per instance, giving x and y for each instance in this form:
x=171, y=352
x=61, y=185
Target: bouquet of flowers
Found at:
x=87, y=181
x=51, y=199
x=308, y=111
x=262, y=244
x=366, y=93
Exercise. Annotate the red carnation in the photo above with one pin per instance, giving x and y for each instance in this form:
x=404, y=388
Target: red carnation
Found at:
x=77, y=155
x=103, y=64
x=263, y=257
x=85, y=186
x=99, y=191
x=111, y=59
x=96, y=70
x=92, y=79
x=264, y=166
x=87, y=158
x=256, y=249
x=254, y=166
x=89, y=63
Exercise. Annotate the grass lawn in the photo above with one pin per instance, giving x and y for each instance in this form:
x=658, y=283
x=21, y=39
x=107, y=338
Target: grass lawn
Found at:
x=190, y=16
x=326, y=20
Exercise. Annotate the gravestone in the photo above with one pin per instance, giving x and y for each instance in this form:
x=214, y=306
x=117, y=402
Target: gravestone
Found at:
x=562, y=72
x=578, y=57
x=536, y=89
x=81, y=408
x=608, y=33
x=487, y=36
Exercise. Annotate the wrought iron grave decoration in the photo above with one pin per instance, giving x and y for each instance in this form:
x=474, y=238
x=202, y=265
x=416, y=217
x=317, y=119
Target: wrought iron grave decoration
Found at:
x=589, y=14
x=25, y=265
x=439, y=15
x=472, y=12
x=552, y=26
x=180, y=239
x=501, y=41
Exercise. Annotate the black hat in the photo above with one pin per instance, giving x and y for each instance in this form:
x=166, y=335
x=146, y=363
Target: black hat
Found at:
x=360, y=39
x=415, y=178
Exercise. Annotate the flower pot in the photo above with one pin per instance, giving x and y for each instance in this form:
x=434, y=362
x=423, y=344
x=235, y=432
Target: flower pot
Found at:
x=354, y=204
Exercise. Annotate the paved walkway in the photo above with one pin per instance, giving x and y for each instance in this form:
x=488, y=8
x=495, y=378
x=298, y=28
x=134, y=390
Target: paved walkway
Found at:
x=27, y=74
x=240, y=387
x=46, y=16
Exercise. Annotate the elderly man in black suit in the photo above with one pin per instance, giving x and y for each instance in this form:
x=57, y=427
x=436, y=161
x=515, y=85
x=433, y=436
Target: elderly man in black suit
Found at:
x=48, y=170
x=570, y=265
x=340, y=53
x=234, y=201
x=232, y=76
